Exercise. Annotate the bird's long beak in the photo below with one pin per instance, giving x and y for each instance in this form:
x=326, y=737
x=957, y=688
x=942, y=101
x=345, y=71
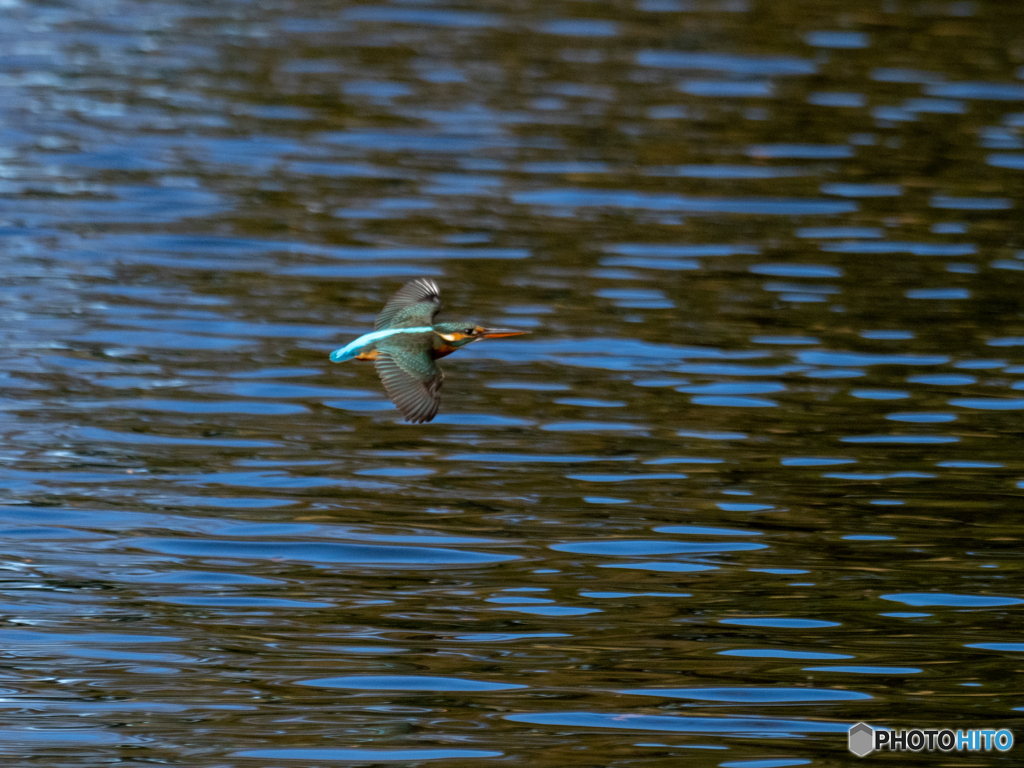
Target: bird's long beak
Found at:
x=500, y=333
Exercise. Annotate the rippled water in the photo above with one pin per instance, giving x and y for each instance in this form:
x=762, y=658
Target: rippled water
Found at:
x=755, y=476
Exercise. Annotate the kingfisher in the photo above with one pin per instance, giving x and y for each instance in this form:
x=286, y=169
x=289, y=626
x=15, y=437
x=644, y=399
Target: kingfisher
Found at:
x=406, y=341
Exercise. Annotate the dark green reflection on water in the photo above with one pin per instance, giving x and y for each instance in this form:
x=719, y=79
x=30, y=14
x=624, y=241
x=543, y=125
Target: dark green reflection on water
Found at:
x=754, y=477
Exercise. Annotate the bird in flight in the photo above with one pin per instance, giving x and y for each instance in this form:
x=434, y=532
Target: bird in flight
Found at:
x=406, y=341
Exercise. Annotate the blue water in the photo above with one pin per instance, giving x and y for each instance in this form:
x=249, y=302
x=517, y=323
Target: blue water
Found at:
x=754, y=476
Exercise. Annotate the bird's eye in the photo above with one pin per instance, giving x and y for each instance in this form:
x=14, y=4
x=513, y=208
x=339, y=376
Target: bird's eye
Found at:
x=470, y=331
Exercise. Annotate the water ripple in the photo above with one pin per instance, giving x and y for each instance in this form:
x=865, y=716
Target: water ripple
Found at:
x=316, y=552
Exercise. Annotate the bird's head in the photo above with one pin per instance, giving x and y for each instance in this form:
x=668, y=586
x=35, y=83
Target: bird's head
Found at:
x=460, y=334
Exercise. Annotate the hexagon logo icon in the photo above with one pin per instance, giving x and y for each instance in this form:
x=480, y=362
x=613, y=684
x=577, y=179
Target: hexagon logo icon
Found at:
x=861, y=739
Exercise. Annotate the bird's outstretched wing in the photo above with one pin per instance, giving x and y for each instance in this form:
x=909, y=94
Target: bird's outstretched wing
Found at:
x=410, y=376
x=414, y=304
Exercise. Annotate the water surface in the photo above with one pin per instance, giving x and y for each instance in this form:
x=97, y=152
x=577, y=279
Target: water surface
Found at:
x=755, y=476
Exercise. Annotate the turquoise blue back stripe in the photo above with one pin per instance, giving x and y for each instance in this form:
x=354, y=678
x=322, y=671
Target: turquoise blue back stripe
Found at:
x=353, y=348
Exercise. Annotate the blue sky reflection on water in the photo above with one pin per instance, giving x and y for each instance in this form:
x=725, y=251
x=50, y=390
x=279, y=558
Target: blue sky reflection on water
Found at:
x=753, y=477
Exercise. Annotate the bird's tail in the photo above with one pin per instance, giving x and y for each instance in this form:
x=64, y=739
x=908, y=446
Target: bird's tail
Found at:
x=343, y=354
